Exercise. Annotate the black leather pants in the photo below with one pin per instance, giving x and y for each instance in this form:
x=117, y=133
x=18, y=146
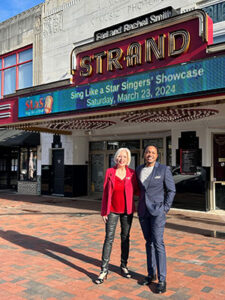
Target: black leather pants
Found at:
x=110, y=228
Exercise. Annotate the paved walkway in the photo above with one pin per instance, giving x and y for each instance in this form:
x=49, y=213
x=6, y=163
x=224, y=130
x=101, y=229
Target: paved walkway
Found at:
x=50, y=248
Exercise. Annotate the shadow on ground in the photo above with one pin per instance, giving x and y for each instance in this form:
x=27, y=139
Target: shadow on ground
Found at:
x=49, y=248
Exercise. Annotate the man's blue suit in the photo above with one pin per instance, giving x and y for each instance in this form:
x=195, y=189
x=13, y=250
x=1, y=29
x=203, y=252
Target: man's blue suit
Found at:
x=156, y=198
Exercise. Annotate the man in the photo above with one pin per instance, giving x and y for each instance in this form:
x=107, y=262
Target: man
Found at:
x=157, y=191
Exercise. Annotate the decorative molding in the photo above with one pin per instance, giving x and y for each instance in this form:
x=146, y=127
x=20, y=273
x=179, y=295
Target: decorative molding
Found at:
x=80, y=124
x=60, y=8
x=37, y=24
x=169, y=115
x=5, y=115
x=5, y=106
x=52, y=24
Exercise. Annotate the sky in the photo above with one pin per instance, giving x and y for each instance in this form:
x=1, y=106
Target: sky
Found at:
x=10, y=8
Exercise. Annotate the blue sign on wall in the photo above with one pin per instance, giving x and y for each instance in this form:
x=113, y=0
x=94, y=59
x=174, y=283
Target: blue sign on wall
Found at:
x=216, y=11
x=188, y=78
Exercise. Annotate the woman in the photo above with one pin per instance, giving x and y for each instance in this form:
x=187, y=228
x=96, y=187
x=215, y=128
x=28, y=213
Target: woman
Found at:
x=117, y=203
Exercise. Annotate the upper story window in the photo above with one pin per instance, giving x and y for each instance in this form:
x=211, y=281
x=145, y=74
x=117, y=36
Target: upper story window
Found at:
x=16, y=71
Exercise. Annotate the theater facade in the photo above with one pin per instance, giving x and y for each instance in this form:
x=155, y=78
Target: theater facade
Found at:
x=139, y=82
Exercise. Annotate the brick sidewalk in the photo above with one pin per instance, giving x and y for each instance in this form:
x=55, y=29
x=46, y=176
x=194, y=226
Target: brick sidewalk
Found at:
x=51, y=248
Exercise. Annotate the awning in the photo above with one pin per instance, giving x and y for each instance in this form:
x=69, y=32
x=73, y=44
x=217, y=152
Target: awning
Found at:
x=12, y=138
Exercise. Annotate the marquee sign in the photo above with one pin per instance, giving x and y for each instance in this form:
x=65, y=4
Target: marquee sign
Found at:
x=172, y=41
x=147, y=87
x=135, y=23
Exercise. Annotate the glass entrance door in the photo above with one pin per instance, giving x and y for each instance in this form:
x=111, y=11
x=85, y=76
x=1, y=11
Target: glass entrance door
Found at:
x=219, y=170
x=97, y=172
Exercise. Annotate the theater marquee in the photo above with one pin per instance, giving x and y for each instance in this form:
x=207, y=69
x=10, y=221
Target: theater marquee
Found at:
x=173, y=41
x=153, y=64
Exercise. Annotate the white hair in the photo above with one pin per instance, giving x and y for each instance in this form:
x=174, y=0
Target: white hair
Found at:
x=128, y=155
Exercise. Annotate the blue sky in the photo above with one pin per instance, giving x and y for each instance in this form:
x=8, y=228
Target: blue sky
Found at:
x=10, y=8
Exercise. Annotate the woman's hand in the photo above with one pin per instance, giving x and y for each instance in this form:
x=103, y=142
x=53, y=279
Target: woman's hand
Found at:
x=105, y=219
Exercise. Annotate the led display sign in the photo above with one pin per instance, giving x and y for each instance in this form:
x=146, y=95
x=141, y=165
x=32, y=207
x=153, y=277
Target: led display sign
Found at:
x=147, y=87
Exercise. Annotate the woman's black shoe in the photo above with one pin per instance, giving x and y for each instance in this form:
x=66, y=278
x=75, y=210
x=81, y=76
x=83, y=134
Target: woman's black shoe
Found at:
x=102, y=276
x=125, y=272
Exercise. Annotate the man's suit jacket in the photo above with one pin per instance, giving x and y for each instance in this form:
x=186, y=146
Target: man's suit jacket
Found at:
x=158, y=195
x=131, y=189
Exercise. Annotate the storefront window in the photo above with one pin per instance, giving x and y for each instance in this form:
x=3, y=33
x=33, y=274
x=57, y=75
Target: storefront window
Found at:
x=112, y=145
x=14, y=164
x=132, y=145
x=28, y=164
x=23, y=163
x=97, y=146
x=155, y=142
x=2, y=164
x=32, y=165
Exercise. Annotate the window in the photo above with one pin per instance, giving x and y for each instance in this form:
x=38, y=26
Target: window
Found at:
x=23, y=163
x=28, y=163
x=158, y=142
x=132, y=145
x=97, y=146
x=16, y=71
x=14, y=164
x=32, y=165
x=2, y=164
